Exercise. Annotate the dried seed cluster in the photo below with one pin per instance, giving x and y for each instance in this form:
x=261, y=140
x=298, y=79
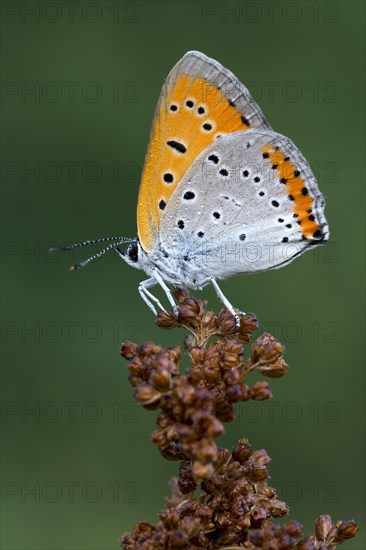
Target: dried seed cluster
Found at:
x=220, y=499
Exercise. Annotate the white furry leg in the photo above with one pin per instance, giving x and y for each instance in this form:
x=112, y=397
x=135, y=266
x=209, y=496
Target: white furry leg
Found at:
x=147, y=296
x=167, y=291
x=225, y=301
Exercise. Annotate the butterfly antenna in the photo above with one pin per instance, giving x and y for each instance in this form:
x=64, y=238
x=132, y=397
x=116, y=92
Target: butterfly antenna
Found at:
x=98, y=254
x=119, y=252
x=86, y=243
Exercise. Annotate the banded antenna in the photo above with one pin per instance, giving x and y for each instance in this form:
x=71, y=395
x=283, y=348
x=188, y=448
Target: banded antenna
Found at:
x=119, y=240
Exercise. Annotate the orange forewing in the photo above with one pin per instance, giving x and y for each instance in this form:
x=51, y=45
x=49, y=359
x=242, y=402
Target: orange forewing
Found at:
x=183, y=126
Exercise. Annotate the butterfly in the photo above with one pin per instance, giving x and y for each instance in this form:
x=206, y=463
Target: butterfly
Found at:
x=221, y=192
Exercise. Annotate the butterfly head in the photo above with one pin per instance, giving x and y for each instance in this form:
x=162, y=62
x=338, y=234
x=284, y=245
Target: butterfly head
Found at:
x=133, y=254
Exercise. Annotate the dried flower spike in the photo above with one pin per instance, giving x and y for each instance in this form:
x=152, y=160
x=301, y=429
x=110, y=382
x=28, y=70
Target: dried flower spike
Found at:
x=220, y=500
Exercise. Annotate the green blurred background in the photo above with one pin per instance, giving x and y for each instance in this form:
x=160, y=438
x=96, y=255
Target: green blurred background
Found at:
x=77, y=465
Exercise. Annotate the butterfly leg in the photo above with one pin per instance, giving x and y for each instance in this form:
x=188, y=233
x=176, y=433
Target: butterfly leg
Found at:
x=147, y=296
x=225, y=301
x=167, y=291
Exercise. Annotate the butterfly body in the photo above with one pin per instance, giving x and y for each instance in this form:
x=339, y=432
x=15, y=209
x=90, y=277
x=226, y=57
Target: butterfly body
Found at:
x=179, y=270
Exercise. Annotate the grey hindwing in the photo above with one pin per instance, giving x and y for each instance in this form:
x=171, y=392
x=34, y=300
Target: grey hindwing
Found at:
x=231, y=214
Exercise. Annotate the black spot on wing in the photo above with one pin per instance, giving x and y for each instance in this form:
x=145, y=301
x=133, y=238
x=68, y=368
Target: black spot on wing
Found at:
x=214, y=159
x=177, y=146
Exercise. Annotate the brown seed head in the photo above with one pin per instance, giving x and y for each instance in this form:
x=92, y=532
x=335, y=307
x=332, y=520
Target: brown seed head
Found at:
x=147, y=395
x=274, y=370
x=166, y=320
x=323, y=526
x=345, y=530
x=190, y=312
x=261, y=391
x=242, y=450
x=129, y=350
x=266, y=349
x=161, y=379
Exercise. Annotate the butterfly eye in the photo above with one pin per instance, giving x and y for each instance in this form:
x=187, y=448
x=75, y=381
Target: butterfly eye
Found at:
x=133, y=252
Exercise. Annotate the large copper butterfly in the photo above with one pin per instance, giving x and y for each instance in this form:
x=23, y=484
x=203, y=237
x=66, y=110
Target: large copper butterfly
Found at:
x=221, y=192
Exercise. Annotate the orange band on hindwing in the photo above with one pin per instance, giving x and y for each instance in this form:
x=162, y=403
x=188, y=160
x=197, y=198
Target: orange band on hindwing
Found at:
x=296, y=188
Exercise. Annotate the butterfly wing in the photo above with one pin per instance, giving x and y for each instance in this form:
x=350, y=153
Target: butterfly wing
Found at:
x=249, y=202
x=200, y=101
